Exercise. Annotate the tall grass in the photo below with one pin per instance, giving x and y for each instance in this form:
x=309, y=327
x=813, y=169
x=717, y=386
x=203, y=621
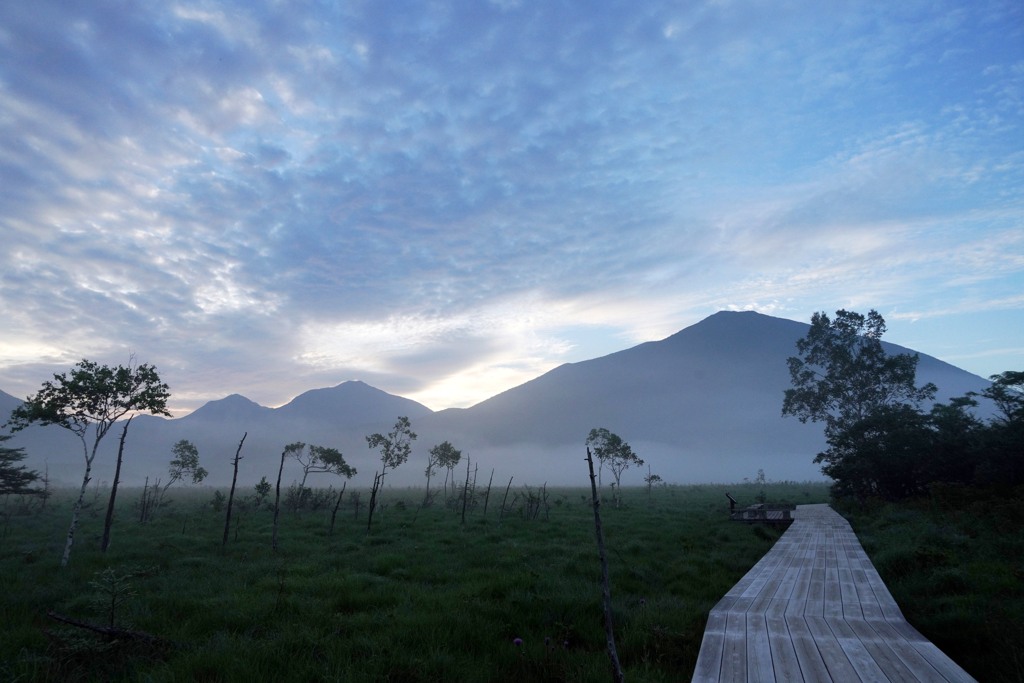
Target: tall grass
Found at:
x=422, y=597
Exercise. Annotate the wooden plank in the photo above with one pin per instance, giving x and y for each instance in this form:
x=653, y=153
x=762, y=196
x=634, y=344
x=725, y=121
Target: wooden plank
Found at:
x=947, y=668
x=833, y=653
x=785, y=662
x=846, y=560
x=759, y=652
x=712, y=647
x=798, y=598
x=886, y=603
x=881, y=651
x=734, y=654
x=833, y=603
x=808, y=655
x=920, y=668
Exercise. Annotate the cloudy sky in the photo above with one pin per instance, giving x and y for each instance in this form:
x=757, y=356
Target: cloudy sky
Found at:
x=446, y=199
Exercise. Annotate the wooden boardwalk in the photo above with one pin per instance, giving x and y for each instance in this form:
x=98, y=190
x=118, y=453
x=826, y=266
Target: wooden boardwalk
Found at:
x=815, y=609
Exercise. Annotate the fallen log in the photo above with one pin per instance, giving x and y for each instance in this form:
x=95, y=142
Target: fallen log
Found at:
x=112, y=632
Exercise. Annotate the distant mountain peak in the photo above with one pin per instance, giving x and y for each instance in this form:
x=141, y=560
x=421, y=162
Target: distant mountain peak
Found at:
x=233, y=406
x=352, y=400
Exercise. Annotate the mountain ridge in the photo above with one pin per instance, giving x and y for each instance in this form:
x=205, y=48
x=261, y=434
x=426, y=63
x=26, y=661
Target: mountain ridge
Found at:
x=699, y=404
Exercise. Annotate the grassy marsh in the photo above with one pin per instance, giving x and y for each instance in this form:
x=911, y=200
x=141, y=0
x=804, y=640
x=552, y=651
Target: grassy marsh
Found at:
x=422, y=597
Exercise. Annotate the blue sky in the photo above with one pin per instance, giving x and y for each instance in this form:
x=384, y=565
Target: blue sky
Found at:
x=446, y=199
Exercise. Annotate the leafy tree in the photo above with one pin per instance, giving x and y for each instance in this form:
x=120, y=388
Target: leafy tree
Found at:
x=953, y=442
x=396, y=446
x=612, y=451
x=881, y=455
x=185, y=463
x=1007, y=392
x=1002, y=449
x=322, y=459
x=843, y=377
x=262, y=491
x=394, y=450
x=442, y=455
x=842, y=374
x=15, y=478
x=87, y=401
x=332, y=461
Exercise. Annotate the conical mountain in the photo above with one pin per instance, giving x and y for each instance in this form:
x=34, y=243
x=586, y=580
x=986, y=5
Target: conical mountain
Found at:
x=233, y=408
x=706, y=400
x=350, y=404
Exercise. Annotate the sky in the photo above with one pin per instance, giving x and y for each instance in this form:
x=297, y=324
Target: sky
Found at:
x=448, y=199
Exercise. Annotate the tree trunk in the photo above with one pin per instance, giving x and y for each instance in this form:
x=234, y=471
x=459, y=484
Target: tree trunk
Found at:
x=501, y=513
x=373, y=499
x=231, y=495
x=46, y=486
x=606, y=590
x=76, y=511
x=487, y=495
x=109, y=521
x=111, y=632
x=142, y=502
x=337, y=504
x=277, y=502
x=465, y=492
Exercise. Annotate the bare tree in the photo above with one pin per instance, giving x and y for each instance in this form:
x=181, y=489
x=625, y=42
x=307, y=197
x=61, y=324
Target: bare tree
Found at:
x=231, y=495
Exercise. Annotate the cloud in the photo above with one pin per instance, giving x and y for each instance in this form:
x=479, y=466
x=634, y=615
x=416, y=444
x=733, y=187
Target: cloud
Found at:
x=448, y=199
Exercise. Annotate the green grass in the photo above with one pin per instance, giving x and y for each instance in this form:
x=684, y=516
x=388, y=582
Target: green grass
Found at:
x=955, y=564
x=422, y=597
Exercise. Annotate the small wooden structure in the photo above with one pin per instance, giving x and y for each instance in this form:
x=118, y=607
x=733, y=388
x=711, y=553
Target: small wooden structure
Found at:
x=761, y=512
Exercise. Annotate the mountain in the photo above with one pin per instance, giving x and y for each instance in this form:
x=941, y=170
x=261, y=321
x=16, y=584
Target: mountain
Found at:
x=350, y=404
x=233, y=408
x=7, y=404
x=701, y=405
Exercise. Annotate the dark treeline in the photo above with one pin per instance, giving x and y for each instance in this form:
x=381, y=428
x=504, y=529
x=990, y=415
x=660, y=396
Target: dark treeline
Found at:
x=882, y=443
